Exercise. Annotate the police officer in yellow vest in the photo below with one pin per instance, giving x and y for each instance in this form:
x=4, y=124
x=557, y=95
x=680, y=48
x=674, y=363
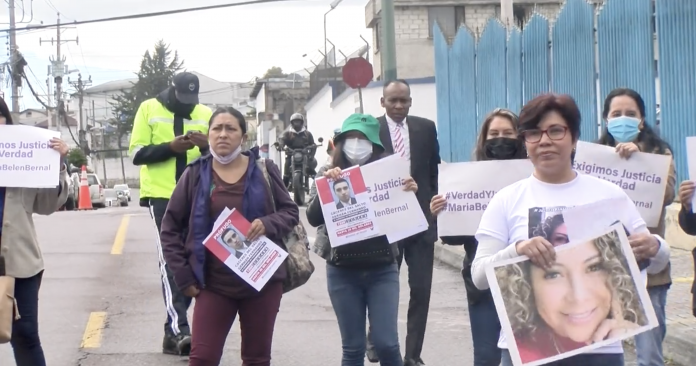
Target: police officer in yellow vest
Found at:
x=169, y=131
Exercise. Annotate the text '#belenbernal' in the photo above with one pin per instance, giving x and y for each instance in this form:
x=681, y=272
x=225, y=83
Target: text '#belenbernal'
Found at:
x=24, y=168
x=484, y=195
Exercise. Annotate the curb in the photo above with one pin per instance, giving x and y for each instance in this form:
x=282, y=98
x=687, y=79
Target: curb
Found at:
x=678, y=345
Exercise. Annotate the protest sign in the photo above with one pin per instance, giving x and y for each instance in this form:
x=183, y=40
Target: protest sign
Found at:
x=396, y=211
x=253, y=261
x=543, y=319
x=643, y=176
x=469, y=187
x=691, y=161
x=345, y=204
x=26, y=157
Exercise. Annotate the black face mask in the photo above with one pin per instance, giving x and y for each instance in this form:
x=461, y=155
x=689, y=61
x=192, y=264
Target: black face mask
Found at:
x=501, y=148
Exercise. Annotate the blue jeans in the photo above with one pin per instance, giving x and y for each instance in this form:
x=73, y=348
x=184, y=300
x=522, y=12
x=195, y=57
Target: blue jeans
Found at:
x=375, y=291
x=26, y=344
x=485, y=331
x=649, y=344
x=585, y=359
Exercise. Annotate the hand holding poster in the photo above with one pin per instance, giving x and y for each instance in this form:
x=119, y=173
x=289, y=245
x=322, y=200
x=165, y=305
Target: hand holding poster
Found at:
x=345, y=204
x=26, y=157
x=469, y=187
x=253, y=261
x=396, y=211
x=643, y=176
x=691, y=161
x=544, y=319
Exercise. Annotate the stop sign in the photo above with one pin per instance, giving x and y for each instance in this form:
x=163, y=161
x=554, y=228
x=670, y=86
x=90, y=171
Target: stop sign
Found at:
x=357, y=73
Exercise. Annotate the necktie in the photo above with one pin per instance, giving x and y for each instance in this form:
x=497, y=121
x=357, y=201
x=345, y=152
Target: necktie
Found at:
x=399, y=140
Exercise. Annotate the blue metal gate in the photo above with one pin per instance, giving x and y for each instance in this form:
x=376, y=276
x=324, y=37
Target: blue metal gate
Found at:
x=587, y=52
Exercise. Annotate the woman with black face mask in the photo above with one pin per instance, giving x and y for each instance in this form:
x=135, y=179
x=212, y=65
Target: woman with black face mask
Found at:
x=498, y=140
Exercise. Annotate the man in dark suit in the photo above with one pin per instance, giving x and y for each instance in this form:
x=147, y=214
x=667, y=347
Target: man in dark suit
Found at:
x=343, y=193
x=414, y=139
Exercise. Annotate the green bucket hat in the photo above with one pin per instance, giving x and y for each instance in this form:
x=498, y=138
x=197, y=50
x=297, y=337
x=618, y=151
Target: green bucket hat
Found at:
x=364, y=123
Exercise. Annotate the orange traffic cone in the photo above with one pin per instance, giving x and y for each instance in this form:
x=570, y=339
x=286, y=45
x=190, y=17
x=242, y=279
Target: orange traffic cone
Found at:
x=85, y=199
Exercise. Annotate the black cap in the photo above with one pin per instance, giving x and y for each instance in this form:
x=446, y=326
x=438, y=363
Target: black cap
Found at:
x=187, y=87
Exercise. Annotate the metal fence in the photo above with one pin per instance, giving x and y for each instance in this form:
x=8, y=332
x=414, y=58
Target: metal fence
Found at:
x=587, y=51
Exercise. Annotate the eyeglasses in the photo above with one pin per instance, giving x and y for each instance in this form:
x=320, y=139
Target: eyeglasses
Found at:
x=554, y=133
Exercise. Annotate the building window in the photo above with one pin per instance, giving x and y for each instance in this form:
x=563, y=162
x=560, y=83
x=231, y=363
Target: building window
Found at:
x=448, y=18
x=378, y=36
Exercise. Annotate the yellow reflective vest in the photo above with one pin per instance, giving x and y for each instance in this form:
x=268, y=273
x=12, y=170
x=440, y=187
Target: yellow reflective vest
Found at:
x=154, y=125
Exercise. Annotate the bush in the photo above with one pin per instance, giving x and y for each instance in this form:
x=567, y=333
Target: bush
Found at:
x=77, y=157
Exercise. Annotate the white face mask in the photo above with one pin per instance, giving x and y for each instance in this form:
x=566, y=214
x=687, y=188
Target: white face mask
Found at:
x=224, y=160
x=358, y=151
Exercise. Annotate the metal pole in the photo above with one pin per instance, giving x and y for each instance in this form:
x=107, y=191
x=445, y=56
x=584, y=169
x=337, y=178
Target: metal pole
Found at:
x=361, y=100
x=13, y=59
x=326, y=55
x=506, y=13
x=103, y=154
x=389, y=41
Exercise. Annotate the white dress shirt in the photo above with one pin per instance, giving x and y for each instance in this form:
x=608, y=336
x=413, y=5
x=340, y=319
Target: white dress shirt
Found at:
x=393, y=126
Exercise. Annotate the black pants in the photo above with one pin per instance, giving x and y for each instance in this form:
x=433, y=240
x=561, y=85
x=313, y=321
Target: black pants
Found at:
x=419, y=254
x=25, y=331
x=175, y=302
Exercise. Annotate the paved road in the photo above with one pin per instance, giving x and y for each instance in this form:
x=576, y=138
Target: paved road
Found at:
x=85, y=282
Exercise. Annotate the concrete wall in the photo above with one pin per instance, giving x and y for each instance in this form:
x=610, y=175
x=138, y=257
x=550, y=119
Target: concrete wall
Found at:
x=414, y=46
x=114, y=174
x=324, y=114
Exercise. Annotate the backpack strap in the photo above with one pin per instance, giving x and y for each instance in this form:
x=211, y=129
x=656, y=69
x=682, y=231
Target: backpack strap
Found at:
x=261, y=164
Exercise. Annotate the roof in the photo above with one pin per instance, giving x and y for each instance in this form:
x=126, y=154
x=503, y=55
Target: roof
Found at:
x=72, y=122
x=110, y=86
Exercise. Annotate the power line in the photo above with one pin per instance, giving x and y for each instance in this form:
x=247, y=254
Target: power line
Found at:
x=154, y=14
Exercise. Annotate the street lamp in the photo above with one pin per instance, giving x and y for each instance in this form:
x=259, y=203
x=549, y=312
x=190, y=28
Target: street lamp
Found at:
x=333, y=6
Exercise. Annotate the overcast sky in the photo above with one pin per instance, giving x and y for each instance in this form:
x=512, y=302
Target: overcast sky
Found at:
x=233, y=44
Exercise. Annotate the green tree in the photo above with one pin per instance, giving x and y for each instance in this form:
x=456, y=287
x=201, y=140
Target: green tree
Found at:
x=251, y=113
x=274, y=72
x=157, y=69
x=77, y=158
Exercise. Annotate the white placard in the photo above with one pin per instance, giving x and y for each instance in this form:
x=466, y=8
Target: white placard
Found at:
x=26, y=157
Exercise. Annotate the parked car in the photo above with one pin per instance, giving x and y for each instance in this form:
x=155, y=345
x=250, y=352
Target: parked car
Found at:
x=125, y=189
x=73, y=193
x=96, y=191
x=113, y=197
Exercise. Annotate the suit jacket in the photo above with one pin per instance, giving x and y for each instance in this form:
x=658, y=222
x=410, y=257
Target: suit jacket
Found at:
x=425, y=158
x=353, y=201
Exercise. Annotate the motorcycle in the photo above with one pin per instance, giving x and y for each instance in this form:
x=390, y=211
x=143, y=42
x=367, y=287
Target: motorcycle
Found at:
x=299, y=185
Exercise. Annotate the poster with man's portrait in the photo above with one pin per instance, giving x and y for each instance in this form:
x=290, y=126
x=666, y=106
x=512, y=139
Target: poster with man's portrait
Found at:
x=342, y=192
x=591, y=297
x=234, y=241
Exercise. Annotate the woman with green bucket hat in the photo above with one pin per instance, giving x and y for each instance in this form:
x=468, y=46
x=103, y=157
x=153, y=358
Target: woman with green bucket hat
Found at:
x=362, y=277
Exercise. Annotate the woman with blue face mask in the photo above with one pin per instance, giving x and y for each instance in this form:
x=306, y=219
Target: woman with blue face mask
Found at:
x=627, y=130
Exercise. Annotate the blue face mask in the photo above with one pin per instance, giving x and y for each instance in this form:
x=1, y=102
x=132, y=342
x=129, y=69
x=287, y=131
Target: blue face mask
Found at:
x=624, y=129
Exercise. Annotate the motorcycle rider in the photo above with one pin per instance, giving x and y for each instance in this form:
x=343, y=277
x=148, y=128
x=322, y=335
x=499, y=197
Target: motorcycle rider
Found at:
x=297, y=137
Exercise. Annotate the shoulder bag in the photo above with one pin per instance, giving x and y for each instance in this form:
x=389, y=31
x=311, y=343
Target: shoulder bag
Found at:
x=8, y=304
x=298, y=263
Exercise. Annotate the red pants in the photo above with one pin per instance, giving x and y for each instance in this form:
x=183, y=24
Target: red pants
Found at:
x=213, y=316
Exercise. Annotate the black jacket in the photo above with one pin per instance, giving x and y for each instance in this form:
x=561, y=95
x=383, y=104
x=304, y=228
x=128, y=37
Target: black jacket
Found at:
x=687, y=222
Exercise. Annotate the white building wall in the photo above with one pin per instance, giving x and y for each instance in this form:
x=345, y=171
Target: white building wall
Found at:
x=324, y=116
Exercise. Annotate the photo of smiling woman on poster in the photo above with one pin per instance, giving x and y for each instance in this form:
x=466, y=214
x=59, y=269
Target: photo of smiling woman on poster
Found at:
x=587, y=296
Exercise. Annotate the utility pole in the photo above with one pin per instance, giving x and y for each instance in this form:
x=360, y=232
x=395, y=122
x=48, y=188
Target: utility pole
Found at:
x=80, y=85
x=388, y=41
x=58, y=70
x=14, y=60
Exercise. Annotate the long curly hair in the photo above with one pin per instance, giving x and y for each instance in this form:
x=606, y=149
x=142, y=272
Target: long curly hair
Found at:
x=518, y=293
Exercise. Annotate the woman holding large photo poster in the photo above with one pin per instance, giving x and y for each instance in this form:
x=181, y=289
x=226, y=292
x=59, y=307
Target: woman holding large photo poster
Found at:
x=627, y=130
x=550, y=126
x=498, y=140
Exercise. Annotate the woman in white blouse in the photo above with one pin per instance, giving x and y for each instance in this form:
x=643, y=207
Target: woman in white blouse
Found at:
x=550, y=126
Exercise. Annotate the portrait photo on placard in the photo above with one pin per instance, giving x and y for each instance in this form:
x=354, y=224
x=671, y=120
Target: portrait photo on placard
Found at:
x=590, y=297
x=342, y=191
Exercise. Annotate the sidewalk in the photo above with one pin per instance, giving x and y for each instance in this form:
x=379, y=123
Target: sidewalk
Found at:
x=680, y=343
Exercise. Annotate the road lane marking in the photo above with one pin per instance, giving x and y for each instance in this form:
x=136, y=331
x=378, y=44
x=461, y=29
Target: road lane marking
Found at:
x=683, y=280
x=93, y=331
x=120, y=239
